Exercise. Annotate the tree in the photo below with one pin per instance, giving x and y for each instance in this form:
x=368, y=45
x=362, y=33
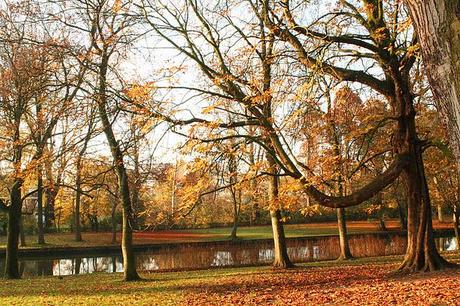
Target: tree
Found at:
x=90, y=121
x=395, y=57
x=25, y=73
x=253, y=99
x=437, y=23
x=108, y=29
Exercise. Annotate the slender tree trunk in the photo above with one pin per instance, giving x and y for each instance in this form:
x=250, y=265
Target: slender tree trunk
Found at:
x=114, y=222
x=440, y=213
x=14, y=220
x=129, y=260
x=255, y=210
x=49, y=207
x=343, y=237
x=233, y=172
x=22, y=234
x=78, y=201
x=41, y=230
x=236, y=213
x=77, y=265
x=455, y=217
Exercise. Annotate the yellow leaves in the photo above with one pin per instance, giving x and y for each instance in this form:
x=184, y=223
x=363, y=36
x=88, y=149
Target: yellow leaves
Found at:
x=116, y=6
x=140, y=93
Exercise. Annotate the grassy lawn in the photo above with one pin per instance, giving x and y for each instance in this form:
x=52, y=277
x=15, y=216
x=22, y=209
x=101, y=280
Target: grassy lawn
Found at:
x=211, y=234
x=358, y=282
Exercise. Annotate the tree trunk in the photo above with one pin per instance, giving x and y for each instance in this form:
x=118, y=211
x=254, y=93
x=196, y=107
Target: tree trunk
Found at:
x=343, y=237
x=14, y=220
x=114, y=223
x=49, y=207
x=402, y=215
x=78, y=200
x=129, y=260
x=41, y=230
x=236, y=213
x=421, y=252
x=440, y=213
x=22, y=234
x=437, y=23
x=456, y=216
x=280, y=249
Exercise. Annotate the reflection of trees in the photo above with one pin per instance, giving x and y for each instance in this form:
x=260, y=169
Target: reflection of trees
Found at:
x=194, y=257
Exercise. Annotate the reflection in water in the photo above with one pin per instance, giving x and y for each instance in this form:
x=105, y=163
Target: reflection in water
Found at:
x=225, y=254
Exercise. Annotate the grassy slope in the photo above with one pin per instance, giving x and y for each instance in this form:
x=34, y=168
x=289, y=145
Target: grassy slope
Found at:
x=309, y=284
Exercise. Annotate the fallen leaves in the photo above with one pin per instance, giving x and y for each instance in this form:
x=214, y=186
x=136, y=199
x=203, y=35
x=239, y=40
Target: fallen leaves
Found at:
x=348, y=285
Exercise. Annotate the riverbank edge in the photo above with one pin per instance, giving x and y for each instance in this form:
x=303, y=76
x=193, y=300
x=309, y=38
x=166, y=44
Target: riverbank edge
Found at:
x=115, y=249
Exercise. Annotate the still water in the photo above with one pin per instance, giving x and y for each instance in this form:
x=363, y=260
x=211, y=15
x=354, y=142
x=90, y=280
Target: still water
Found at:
x=223, y=255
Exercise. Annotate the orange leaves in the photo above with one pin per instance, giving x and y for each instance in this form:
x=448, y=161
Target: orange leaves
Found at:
x=343, y=285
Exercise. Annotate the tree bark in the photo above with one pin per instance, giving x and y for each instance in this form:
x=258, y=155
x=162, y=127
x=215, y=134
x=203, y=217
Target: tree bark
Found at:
x=14, y=219
x=343, y=237
x=129, y=260
x=114, y=221
x=455, y=217
x=78, y=200
x=437, y=23
x=421, y=252
x=279, y=239
x=41, y=229
x=22, y=234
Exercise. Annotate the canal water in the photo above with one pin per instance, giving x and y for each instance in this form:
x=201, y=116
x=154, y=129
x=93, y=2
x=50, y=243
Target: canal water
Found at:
x=211, y=255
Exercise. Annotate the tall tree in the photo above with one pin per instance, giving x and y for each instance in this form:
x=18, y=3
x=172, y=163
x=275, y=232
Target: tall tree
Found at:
x=109, y=30
x=395, y=57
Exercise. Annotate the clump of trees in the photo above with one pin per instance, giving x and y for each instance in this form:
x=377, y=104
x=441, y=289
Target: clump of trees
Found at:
x=285, y=109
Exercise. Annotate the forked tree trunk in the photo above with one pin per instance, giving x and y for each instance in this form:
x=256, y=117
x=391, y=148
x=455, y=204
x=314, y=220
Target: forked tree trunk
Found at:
x=14, y=219
x=437, y=23
x=343, y=237
x=421, y=252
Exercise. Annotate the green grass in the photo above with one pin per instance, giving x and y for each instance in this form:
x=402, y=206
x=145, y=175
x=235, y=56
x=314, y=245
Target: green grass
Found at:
x=291, y=230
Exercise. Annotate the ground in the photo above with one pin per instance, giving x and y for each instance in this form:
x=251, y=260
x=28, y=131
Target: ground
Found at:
x=367, y=281
x=212, y=234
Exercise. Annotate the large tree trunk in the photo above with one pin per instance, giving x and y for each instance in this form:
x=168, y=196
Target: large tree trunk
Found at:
x=437, y=23
x=421, y=252
x=14, y=219
x=343, y=237
x=280, y=249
